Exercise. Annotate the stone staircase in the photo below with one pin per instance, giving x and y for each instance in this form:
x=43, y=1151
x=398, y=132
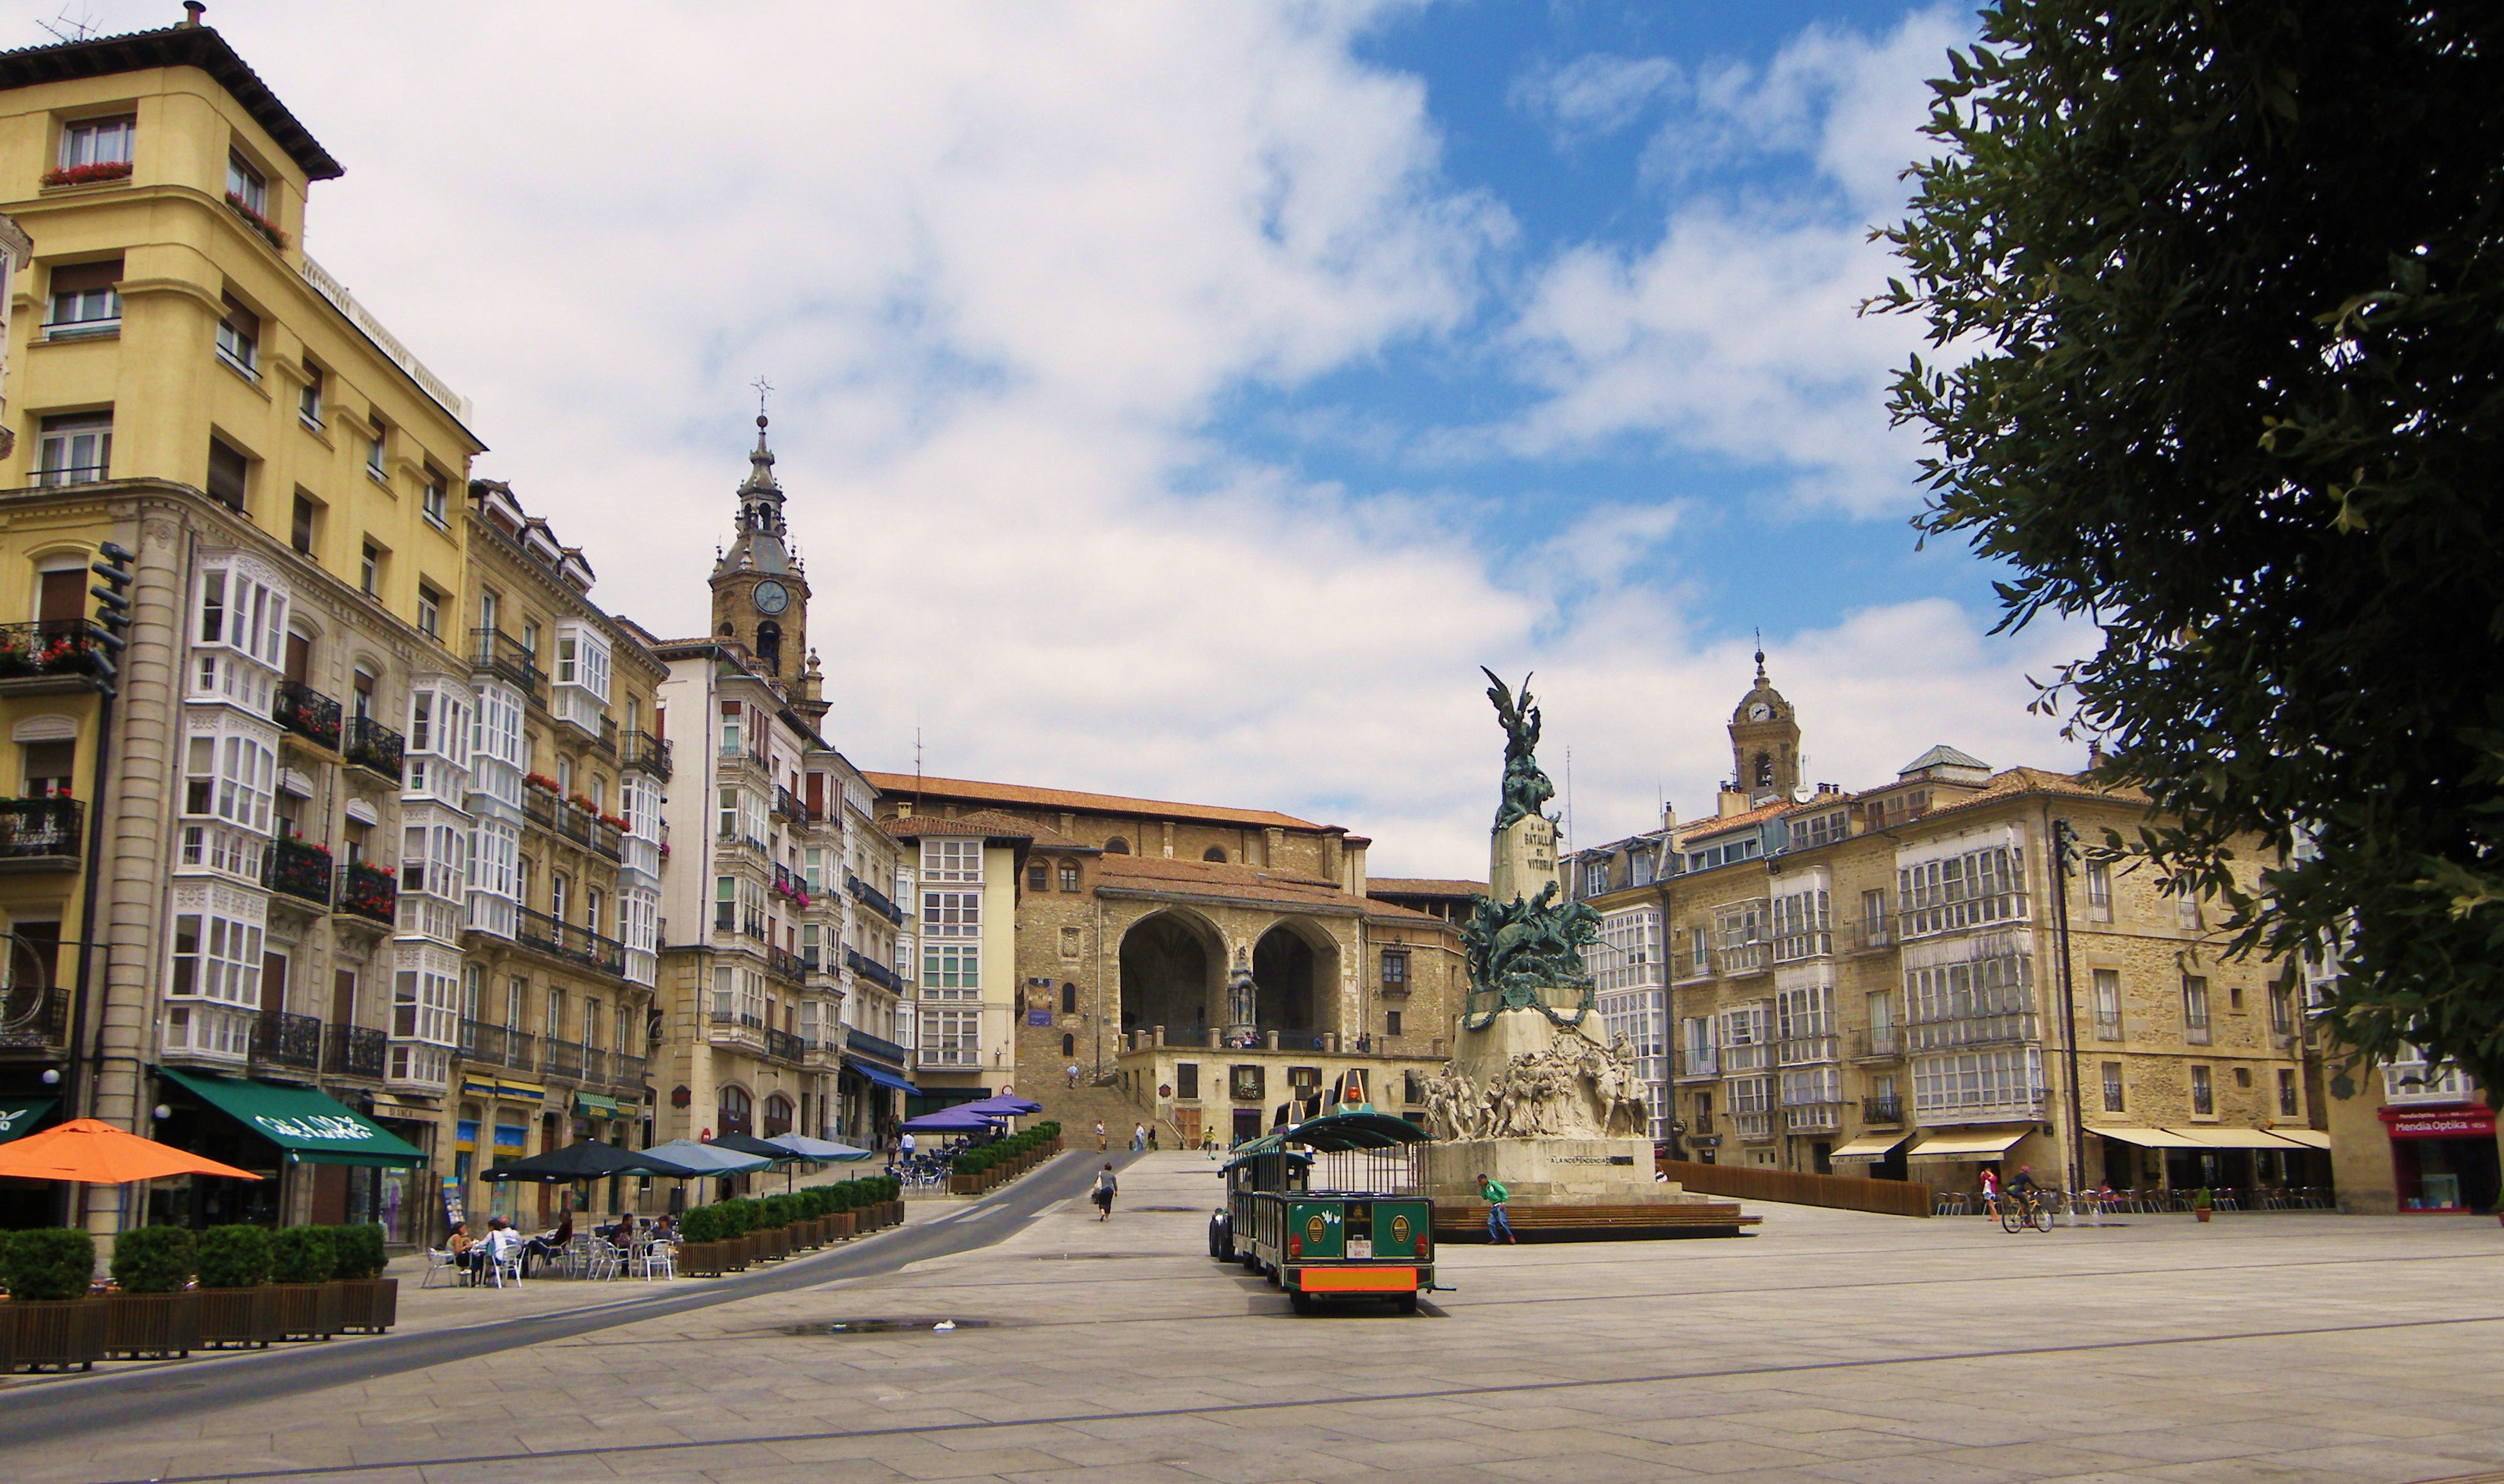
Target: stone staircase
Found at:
x=1079, y=1109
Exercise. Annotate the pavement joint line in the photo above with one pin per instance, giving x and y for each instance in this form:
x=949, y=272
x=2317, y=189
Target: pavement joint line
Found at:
x=1518, y=1388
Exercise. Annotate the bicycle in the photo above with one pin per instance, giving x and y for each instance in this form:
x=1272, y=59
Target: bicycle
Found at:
x=2021, y=1209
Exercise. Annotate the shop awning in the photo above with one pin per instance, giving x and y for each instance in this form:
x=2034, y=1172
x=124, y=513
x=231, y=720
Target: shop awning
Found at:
x=2149, y=1138
x=19, y=1115
x=881, y=1075
x=308, y=1126
x=2309, y=1138
x=594, y=1103
x=1966, y=1145
x=2234, y=1138
x=1870, y=1145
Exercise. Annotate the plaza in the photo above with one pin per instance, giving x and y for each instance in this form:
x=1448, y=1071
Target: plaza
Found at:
x=1829, y=1346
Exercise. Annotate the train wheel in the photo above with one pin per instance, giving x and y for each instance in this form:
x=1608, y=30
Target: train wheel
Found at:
x=1303, y=1301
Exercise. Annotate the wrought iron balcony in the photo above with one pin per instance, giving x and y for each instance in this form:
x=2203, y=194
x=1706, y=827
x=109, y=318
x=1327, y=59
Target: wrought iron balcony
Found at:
x=1882, y=1110
x=34, y=1018
x=374, y=747
x=498, y=1046
x=280, y=1038
x=787, y=806
x=1878, y=1042
x=783, y=1046
x=564, y=1059
x=40, y=834
x=494, y=652
x=626, y=1071
x=47, y=648
x=367, y=893
x=308, y=714
x=356, y=1051
x=875, y=1048
x=606, y=740
x=643, y=751
x=872, y=970
x=565, y=939
x=863, y=892
x=294, y=869
x=783, y=964
x=595, y=1064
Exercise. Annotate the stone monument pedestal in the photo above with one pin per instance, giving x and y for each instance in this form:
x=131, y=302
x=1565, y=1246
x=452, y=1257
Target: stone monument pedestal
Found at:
x=1549, y=1172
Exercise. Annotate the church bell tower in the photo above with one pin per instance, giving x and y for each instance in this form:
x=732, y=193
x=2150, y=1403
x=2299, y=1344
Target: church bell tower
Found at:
x=1764, y=741
x=760, y=590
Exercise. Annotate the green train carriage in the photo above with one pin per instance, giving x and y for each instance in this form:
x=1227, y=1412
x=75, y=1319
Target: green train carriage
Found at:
x=1330, y=1209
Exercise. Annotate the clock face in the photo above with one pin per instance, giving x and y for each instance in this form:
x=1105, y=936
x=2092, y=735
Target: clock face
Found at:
x=771, y=596
x=1761, y=712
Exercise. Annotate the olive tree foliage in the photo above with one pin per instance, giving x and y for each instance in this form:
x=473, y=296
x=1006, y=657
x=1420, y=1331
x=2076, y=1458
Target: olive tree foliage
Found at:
x=2214, y=294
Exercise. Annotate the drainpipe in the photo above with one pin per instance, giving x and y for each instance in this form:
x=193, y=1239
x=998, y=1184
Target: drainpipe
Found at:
x=2063, y=838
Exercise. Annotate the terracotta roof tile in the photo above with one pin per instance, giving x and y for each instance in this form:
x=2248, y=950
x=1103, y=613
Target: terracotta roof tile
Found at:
x=1213, y=879
x=2016, y=782
x=1706, y=829
x=1022, y=795
x=1422, y=887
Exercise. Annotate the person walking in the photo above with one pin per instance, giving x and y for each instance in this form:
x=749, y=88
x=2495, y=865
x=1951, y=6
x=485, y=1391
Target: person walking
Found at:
x=1106, y=1187
x=1499, y=1225
x=1099, y=1136
x=1073, y=1074
x=1138, y=1137
x=1990, y=1191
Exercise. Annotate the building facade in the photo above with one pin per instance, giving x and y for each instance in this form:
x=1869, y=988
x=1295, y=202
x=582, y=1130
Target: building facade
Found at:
x=1895, y=981
x=184, y=383
x=1146, y=927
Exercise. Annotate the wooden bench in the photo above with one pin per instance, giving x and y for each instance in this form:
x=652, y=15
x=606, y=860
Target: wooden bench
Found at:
x=1595, y=1223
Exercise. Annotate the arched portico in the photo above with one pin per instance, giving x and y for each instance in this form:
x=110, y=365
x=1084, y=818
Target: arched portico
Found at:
x=1295, y=971
x=1173, y=972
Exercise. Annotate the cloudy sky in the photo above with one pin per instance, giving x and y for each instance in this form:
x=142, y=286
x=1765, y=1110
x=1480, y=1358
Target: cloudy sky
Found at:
x=1184, y=401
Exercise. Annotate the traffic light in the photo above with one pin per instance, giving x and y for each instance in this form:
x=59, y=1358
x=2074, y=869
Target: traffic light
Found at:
x=112, y=614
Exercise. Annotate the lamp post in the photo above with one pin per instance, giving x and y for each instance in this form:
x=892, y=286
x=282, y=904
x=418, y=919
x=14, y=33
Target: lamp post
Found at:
x=2064, y=841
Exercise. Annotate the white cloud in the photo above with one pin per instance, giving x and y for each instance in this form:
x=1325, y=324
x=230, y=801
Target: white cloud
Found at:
x=1736, y=333
x=1003, y=261
x=1593, y=95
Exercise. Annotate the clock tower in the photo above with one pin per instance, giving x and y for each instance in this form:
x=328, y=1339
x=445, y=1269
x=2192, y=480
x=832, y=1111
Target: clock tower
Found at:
x=1764, y=741
x=760, y=590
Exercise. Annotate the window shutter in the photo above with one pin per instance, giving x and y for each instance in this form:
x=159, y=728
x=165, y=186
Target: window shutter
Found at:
x=79, y=276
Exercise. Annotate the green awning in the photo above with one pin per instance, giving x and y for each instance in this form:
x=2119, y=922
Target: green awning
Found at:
x=593, y=1102
x=21, y=1114
x=311, y=1127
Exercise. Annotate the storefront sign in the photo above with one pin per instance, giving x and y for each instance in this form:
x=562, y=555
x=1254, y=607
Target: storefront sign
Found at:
x=2469, y=1123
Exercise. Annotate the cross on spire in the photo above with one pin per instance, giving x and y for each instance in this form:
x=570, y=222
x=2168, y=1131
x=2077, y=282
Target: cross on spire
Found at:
x=762, y=387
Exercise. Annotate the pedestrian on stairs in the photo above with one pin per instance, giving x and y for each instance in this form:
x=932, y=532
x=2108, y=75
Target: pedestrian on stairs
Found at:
x=1138, y=1137
x=1074, y=1075
x=1099, y=1136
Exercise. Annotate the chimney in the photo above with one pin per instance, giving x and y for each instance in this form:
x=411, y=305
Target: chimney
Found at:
x=193, y=10
x=1668, y=817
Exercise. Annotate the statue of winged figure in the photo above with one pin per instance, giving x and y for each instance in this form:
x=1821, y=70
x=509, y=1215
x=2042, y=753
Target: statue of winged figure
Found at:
x=1526, y=788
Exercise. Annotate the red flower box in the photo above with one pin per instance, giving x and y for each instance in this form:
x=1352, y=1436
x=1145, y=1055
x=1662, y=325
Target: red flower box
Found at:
x=89, y=175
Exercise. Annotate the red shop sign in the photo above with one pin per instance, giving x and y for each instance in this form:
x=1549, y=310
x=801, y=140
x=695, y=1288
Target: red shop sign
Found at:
x=2462, y=1122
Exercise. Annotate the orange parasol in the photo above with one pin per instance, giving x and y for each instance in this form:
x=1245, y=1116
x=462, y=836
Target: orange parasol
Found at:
x=90, y=1151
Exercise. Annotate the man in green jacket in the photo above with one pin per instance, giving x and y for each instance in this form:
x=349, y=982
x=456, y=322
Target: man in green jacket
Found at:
x=1499, y=1227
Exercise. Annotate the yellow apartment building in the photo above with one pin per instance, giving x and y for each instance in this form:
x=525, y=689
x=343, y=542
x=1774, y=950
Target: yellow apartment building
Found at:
x=1895, y=981
x=293, y=707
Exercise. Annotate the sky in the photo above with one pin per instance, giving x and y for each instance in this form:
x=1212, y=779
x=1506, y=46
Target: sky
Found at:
x=1184, y=401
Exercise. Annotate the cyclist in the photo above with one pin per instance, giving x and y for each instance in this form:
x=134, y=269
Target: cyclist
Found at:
x=2023, y=1188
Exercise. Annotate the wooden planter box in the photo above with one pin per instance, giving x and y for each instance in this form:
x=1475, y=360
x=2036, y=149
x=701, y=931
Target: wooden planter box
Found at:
x=150, y=1325
x=743, y=1251
x=846, y=1224
x=307, y=1311
x=702, y=1259
x=367, y=1305
x=241, y=1317
x=775, y=1244
x=54, y=1331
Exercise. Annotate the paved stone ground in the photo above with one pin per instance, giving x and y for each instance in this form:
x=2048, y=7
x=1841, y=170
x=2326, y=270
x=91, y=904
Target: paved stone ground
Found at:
x=1832, y=1347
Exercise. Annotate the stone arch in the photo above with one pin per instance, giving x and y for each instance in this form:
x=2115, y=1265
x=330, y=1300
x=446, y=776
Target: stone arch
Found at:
x=769, y=643
x=735, y=1112
x=1173, y=972
x=1295, y=971
x=1216, y=853
x=1117, y=846
x=778, y=1116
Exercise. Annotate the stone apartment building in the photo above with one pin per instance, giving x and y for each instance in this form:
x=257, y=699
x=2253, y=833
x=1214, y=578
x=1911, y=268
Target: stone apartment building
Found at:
x=1892, y=982
x=784, y=1003
x=561, y=934
x=185, y=383
x=1212, y=964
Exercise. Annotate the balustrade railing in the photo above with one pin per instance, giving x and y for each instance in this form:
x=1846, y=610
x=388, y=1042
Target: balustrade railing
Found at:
x=497, y=653
x=1882, y=1110
x=1878, y=1042
x=33, y=1017
x=356, y=1051
x=374, y=747
x=308, y=714
x=784, y=964
x=42, y=829
x=872, y=970
x=297, y=870
x=567, y=940
x=52, y=646
x=281, y=1039
x=783, y=1046
x=863, y=892
x=564, y=1059
x=643, y=751
x=369, y=893
x=625, y=1071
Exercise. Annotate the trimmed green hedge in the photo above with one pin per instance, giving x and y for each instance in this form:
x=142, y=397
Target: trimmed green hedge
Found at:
x=153, y=1260
x=727, y=1219
x=999, y=1151
x=233, y=1256
x=357, y=1251
x=301, y=1254
x=47, y=1263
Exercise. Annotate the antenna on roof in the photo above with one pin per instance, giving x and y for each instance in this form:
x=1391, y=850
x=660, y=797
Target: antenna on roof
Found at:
x=64, y=30
x=917, y=770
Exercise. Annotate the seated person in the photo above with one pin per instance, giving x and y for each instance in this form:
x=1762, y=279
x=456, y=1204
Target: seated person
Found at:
x=664, y=1229
x=551, y=1246
x=503, y=1244
x=463, y=1248
x=622, y=1235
